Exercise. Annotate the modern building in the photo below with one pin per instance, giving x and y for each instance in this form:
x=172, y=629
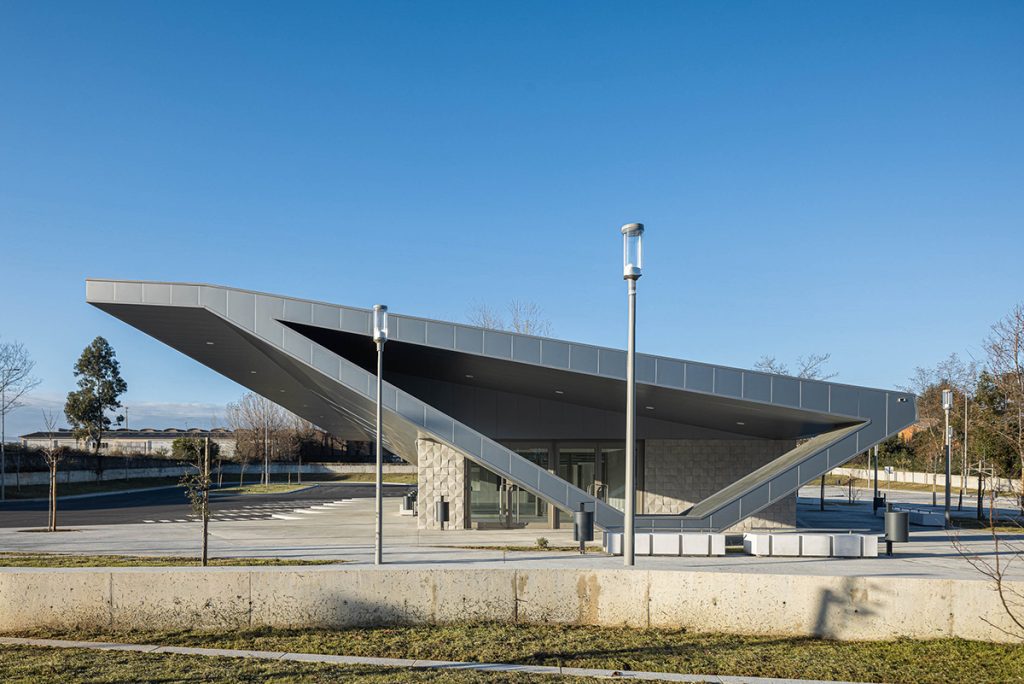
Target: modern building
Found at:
x=147, y=441
x=520, y=430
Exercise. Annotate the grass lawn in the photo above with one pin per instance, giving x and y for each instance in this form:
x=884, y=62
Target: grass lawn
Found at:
x=843, y=480
x=24, y=664
x=1007, y=525
x=895, y=661
x=60, y=560
x=591, y=548
x=398, y=478
x=72, y=488
x=272, y=488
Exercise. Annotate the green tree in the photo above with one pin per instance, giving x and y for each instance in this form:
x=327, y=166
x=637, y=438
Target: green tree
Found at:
x=100, y=387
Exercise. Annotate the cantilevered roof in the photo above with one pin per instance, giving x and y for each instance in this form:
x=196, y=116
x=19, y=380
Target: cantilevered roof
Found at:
x=315, y=359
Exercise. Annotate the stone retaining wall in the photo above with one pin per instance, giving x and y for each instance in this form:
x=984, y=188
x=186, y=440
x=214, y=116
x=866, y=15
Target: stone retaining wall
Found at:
x=680, y=472
x=330, y=597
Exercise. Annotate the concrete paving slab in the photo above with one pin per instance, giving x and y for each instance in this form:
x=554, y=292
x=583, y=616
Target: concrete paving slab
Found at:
x=347, y=534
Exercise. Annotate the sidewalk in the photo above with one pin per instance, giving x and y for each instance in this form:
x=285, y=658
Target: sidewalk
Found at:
x=406, y=663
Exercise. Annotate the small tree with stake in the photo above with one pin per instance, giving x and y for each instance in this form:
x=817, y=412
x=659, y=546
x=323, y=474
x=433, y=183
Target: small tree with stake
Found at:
x=197, y=483
x=52, y=454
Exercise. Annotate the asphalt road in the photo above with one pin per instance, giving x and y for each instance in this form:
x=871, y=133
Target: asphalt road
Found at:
x=171, y=505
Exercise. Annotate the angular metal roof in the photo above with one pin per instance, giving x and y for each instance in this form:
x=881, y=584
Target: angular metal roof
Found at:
x=315, y=359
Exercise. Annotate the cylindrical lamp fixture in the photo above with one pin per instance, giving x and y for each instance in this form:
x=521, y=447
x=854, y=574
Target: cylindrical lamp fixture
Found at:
x=380, y=323
x=632, y=250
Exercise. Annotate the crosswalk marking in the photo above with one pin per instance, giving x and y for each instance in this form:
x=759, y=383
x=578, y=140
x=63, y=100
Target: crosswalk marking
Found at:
x=274, y=510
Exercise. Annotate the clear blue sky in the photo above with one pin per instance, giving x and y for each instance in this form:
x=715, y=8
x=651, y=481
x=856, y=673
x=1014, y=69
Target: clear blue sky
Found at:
x=815, y=177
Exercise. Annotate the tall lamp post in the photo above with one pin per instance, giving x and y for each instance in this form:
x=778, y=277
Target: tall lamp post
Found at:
x=874, y=503
x=632, y=262
x=3, y=435
x=380, y=336
x=947, y=405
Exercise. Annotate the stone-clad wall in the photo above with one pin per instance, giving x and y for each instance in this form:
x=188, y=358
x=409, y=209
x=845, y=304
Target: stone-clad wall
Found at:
x=442, y=471
x=680, y=472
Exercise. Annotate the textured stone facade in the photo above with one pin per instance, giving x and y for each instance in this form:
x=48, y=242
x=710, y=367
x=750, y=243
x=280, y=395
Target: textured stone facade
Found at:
x=680, y=472
x=442, y=471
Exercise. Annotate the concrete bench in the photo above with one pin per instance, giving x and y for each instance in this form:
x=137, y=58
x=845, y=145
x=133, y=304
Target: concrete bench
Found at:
x=668, y=543
x=926, y=518
x=922, y=517
x=810, y=544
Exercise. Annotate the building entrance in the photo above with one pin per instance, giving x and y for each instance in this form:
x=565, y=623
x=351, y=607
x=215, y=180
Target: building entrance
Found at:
x=495, y=501
x=596, y=467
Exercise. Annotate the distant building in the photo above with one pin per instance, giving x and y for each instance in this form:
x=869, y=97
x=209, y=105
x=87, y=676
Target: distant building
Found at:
x=147, y=441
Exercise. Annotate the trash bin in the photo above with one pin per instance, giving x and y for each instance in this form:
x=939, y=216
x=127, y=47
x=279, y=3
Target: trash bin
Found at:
x=441, y=512
x=897, y=528
x=583, y=527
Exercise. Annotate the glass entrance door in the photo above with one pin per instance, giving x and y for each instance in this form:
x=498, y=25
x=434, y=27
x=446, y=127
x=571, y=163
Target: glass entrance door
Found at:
x=577, y=465
x=496, y=501
x=525, y=508
x=613, y=476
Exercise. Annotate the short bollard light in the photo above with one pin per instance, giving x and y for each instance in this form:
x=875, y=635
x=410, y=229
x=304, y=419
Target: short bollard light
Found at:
x=441, y=512
x=583, y=527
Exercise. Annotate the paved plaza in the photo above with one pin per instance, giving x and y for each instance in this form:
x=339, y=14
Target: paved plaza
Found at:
x=325, y=528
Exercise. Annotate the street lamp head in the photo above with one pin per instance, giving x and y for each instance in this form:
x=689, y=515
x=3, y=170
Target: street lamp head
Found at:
x=947, y=399
x=632, y=250
x=380, y=323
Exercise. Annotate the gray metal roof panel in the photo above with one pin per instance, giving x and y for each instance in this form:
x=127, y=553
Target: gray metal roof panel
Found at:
x=819, y=396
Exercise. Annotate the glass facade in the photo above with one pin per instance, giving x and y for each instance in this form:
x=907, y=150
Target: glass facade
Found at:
x=493, y=500
x=596, y=467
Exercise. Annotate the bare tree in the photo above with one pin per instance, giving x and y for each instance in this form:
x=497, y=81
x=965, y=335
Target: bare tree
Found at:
x=1005, y=361
x=16, y=380
x=770, y=364
x=927, y=383
x=528, y=319
x=258, y=422
x=53, y=453
x=810, y=367
x=483, y=316
x=814, y=367
x=1007, y=551
x=302, y=434
x=197, y=485
x=523, y=317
